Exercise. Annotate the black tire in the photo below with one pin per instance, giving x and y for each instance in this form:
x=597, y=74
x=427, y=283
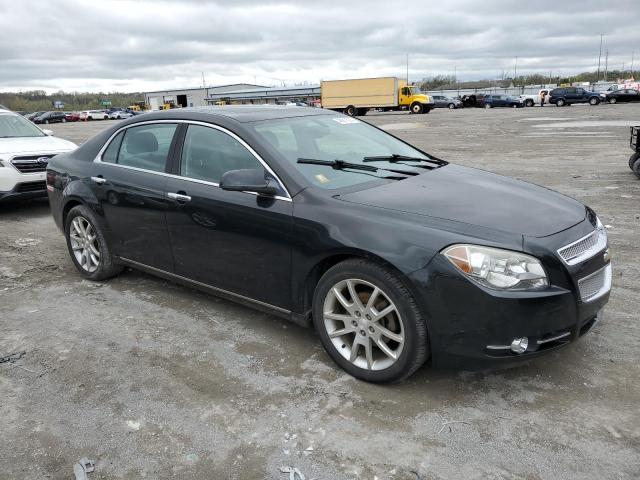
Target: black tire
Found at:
x=360, y=112
x=633, y=158
x=351, y=111
x=47, y=122
x=613, y=100
x=594, y=101
x=64, y=120
x=636, y=167
x=488, y=105
x=107, y=267
x=560, y=103
x=417, y=108
x=529, y=102
x=451, y=106
x=415, y=350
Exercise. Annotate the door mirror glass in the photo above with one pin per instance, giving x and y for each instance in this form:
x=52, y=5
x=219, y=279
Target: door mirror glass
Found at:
x=248, y=180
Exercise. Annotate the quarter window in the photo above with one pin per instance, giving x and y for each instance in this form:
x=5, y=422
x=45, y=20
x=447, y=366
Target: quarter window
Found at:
x=110, y=155
x=146, y=146
x=208, y=154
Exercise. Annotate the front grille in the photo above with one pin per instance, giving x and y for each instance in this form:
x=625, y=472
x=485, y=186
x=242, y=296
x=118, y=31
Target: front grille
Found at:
x=31, y=187
x=584, y=248
x=595, y=285
x=31, y=163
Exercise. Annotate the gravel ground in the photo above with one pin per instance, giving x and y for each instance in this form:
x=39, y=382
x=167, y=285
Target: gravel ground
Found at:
x=153, y=380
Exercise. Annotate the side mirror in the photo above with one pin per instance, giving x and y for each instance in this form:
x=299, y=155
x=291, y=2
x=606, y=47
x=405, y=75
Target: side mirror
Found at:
x=48, y=133
x=248, y=180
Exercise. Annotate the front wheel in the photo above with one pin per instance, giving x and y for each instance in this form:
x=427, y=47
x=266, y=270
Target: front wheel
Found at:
x=529, y=103
x=88, y=246
x=369, y=322
x=594, y=101
x=487, y=105
x=612, y=100
x=417, y=108
x=64, y=120
x=633, y=158
x=46, y=121
x=451, y=106
x=636, y=167
x=560, y=103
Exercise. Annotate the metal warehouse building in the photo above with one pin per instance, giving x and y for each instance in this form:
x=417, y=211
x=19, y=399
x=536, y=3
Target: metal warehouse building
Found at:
x=191, y=97
x=262, y=95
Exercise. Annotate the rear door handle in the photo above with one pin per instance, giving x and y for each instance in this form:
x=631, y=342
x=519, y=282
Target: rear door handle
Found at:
x=99, y=180
x=179, y=197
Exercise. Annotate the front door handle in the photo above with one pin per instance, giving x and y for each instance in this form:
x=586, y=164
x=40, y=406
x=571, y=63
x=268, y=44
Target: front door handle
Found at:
x=99, y=180
x=179, y=197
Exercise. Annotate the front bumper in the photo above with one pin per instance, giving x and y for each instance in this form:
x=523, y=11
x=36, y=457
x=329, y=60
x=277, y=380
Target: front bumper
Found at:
x=473, y=327
x=25, y=191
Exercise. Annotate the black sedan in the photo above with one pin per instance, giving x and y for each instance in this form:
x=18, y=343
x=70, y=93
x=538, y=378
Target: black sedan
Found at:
x=50, y=117
x=622, y=96
x=394, y=255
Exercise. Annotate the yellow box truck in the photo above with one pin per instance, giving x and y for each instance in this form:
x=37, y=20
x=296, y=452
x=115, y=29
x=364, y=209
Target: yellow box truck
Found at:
x=357, y=96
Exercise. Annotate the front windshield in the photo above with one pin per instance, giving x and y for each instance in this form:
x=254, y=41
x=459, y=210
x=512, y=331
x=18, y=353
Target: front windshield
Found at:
x=18, y=126
x=329, y=137
x=415, y=90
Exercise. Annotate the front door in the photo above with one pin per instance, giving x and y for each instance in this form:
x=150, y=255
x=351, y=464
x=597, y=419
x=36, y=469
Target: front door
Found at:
x=235, y=241
x=130, y=186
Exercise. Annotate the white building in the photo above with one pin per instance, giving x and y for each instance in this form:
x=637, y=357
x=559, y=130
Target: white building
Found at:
x=191, y=97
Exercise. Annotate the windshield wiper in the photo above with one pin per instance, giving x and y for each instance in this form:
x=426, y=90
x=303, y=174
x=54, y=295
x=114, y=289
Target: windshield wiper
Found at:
x=396, y=158
x=341, y=165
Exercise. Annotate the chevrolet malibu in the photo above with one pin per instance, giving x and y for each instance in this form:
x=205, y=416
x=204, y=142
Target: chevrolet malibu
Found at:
x=394, y=256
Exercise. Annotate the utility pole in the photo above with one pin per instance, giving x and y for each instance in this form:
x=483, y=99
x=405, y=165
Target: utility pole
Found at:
x=515, y=71
x=407, y=69
x=606, y=64
x=599, y=57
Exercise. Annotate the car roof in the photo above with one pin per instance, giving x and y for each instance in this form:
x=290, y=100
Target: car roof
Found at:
x=241, y=113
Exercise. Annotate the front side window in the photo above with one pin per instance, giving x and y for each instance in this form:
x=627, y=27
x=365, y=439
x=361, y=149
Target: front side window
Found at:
x=146, y=146
x=328, y=137
x=208, y=153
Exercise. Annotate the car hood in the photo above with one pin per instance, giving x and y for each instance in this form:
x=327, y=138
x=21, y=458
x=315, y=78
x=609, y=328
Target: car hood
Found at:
x=25, y=145
x=476, y=197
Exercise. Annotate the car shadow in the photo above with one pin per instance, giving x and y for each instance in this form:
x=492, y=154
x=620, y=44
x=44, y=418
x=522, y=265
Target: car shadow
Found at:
x=31, y=207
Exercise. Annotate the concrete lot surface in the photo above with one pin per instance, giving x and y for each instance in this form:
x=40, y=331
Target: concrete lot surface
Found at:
x=153, y=380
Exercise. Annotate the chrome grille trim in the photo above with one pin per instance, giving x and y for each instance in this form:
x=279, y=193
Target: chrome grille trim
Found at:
x=31, y=163
x=595, y=285
x=584, y=248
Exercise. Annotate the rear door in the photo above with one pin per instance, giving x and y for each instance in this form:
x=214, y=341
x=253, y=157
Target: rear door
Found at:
x=236, y=241
x=130, y=186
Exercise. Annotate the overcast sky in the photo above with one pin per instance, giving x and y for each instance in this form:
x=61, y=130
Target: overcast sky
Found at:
x=122, y=45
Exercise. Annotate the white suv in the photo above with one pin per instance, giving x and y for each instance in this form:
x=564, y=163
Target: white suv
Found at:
x=25, y=151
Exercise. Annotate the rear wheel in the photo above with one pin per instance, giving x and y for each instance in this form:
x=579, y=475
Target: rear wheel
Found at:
x=417, y=108
x=88, y=246
x=46, y=121
x=487, y=105
x=594, y=101
x=632, y=159
x=528, y=103
x=636, y=167
x=350, y=110
x=64, y=120
x=369, y=322
x=560, y=103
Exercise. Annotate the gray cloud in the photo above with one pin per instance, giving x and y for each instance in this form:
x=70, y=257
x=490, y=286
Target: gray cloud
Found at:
x=142, y=44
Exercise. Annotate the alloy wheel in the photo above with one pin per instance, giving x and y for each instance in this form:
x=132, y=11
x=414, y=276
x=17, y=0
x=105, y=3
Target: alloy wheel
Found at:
x=363, y=324
x=84, y=243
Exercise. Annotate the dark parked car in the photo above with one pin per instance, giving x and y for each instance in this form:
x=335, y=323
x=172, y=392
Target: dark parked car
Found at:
x=491, y=101
x=32, y=116
x=634, y=143
x=570, y=95
x=442, y=101
x=395, y=255
x=50, y=117
x=625, y=95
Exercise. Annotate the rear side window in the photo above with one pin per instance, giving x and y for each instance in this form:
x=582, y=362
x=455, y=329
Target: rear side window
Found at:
x=110, y=155
x=146, y=146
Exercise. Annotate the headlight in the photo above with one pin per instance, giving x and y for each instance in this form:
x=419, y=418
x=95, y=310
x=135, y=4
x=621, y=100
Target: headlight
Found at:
x=496, y=268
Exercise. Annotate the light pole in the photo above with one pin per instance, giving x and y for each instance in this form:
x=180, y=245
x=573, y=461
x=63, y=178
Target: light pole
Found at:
x=599, y=58
x=515, y=70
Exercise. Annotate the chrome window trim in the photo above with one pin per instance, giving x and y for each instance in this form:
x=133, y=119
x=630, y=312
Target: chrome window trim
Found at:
x=98, y=158
x=606, y=284
x=601, y=244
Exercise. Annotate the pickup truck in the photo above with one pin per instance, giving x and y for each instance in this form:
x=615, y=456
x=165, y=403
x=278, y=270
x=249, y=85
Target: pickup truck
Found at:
x=534, y=99
x=569, y=95
x=358, y=96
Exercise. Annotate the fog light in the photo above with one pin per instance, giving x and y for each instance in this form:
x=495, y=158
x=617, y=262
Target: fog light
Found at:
x=519, y=345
